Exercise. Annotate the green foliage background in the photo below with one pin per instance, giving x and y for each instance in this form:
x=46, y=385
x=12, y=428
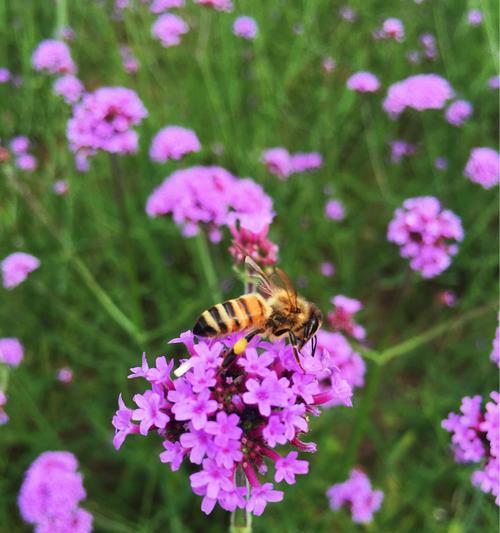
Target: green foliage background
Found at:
x=114, y=283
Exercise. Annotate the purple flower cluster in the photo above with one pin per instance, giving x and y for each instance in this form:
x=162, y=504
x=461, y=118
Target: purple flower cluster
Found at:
x=419, y=92
x=70, y=88
x=218, y=5
x=400, y=149
x=103, y=120
x=393, y=28
x=356, y=493
x=428, y=42
x=22, y=159
x=342, y=317
x=363, y=82
x=211, y=196
x=159, y=6
x=245, y=27
x=129, y=61
x=426, y=234
x=282, y=164
x=483, y=167
x=51, y=493
x=53, y=57
x=173, y=142
x=458, y=112
x=169, y=29
x=11, y=352
x=254, y=244
x=224, y=421
x=476, y=439
x=334, y=209
x=16, y=267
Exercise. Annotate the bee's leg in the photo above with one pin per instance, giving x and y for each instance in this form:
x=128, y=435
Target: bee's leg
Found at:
x=294, y=344
x=238, y=349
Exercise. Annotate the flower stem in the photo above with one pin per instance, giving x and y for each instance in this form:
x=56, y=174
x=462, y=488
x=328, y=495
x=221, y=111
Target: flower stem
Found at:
x=61, y=16
x=207, y=266
x=241, y=519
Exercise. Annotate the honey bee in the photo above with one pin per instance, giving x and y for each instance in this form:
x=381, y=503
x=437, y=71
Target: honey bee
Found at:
x=273, y=310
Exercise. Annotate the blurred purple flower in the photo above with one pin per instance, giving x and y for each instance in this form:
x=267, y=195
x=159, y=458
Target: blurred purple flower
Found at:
x=426, y=234
x=474, y=17
x=303, y=162
x=483, y=167
x=245, y=27
x=11, y=351
x=441, y=163
x=159, y=6
x=26, y=162
x=65, y=375
x=5, y=75
x=494, y=82
x=278, y=162
x=447, y=298
x=495, y=352
x=348, y=14
x=334, y=210
x=129, y=61
x=458, y=112
x=254, y=243
x=400, y=149
x=419, y=92
x=60, y=187
x=327, y=269
x=358, y=495
x=393, y=28
x=51, y=493
x=328, y=64
x=173, y=142
x=342, y=317
x=16, y=267
x=20, y=144
x=168, y=29
x=363, y=82
x=70, y=88
x=218, y=5
x=53, y=57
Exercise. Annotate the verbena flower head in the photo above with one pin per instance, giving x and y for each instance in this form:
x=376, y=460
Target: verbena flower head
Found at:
x=476, y=439
x=363, y=82
x=337, y=355
x=16, y=267
x=357, y=494
x=426, y=234
x=169, y=29
x=327, y=269
x=51, y=493
x=278, y=162
x=70, y=88
x=221, y=422
x=342, y=317
x=494, y=82
x=26, y=162
x=159, y=6
x=129, y=61
x=173, y=142
x=213, y=197
x=53, y=57
x=474, y=17
x=441, y=163
x=5, y=75
x=393, y=28
x=60, y=187
x=334, y=209
x=218, y=5
x=419, y=92
x=20, y=144
x=458, y=112
x=447, y=298
x=303, y=162
x=104, y=120
x=495, y=352
x=348, y=14
x=401, y=149
x=483, y=167
x=65, y=375
x=253, y=243
x=11, y=351
x=245, y=27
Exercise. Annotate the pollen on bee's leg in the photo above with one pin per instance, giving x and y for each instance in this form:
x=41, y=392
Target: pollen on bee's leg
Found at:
x=240, y=346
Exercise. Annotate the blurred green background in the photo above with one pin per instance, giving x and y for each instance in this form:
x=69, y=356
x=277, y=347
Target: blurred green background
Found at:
x=97, y=245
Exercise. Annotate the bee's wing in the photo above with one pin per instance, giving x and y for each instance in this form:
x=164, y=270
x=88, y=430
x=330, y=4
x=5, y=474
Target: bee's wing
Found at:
x=288, y=286
x=263, y=285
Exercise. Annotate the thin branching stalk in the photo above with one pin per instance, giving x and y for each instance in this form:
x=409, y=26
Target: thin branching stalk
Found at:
x=207, y=266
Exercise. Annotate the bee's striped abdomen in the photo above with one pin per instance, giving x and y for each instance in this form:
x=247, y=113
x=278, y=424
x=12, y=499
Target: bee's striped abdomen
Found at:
x=233, y=315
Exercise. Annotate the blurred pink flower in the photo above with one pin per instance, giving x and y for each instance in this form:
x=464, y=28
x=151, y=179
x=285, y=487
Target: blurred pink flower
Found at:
x=342, y=317
x=363, y=82
x=60, y=188
x=494, y=82
x=218, y=5
x=458, y=112
x=159, y=6
x=347, y=13
x=400, y=149
x=4, y=75
x=447, y=298
x=26, y=162
x=65, y=375
x=334, y=210
x=168, y=29
x=441, y=163
x=20, y=144
x=16, y=267
x=245, y=27
x=357, y=494
x=302, y=162
x=393, y=28
x=11, y=351
x=129, y=61
x=173, y=142
x=495, y=352
x=53, y=57
x=419, y=92
x=254, y=244
x=278, y=162
x=328, y=64
x=474, y=17
x=483, y=167
x=327, y=269
x=70, y=88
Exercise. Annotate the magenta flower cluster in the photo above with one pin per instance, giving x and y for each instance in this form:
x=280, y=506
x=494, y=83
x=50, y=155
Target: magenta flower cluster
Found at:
x=483, y=167
x=401, y=149
x=357, y=494
x=476, y=439
x=51, y=494
x=245, y=27
x=254, y=244
x=104, y=120
x=225, y=421
x=363, y=82
x=342, y=316
x=169, y=29
x=53, y=57
x=23, y=160
x=495, y=352
x=458, y=112
x=218, y=5
x=16, y=267
x=393, y=28
x=213, y=197
x=282, y=164
x=173, y=142
x=11, y=351
x=70, y=88
x=426, y=234
x=419, y=92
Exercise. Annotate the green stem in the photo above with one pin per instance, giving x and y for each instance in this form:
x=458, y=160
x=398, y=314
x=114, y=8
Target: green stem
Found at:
x=207, y=266
x=4, y=377
x=61, y=16
x=241, y=519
